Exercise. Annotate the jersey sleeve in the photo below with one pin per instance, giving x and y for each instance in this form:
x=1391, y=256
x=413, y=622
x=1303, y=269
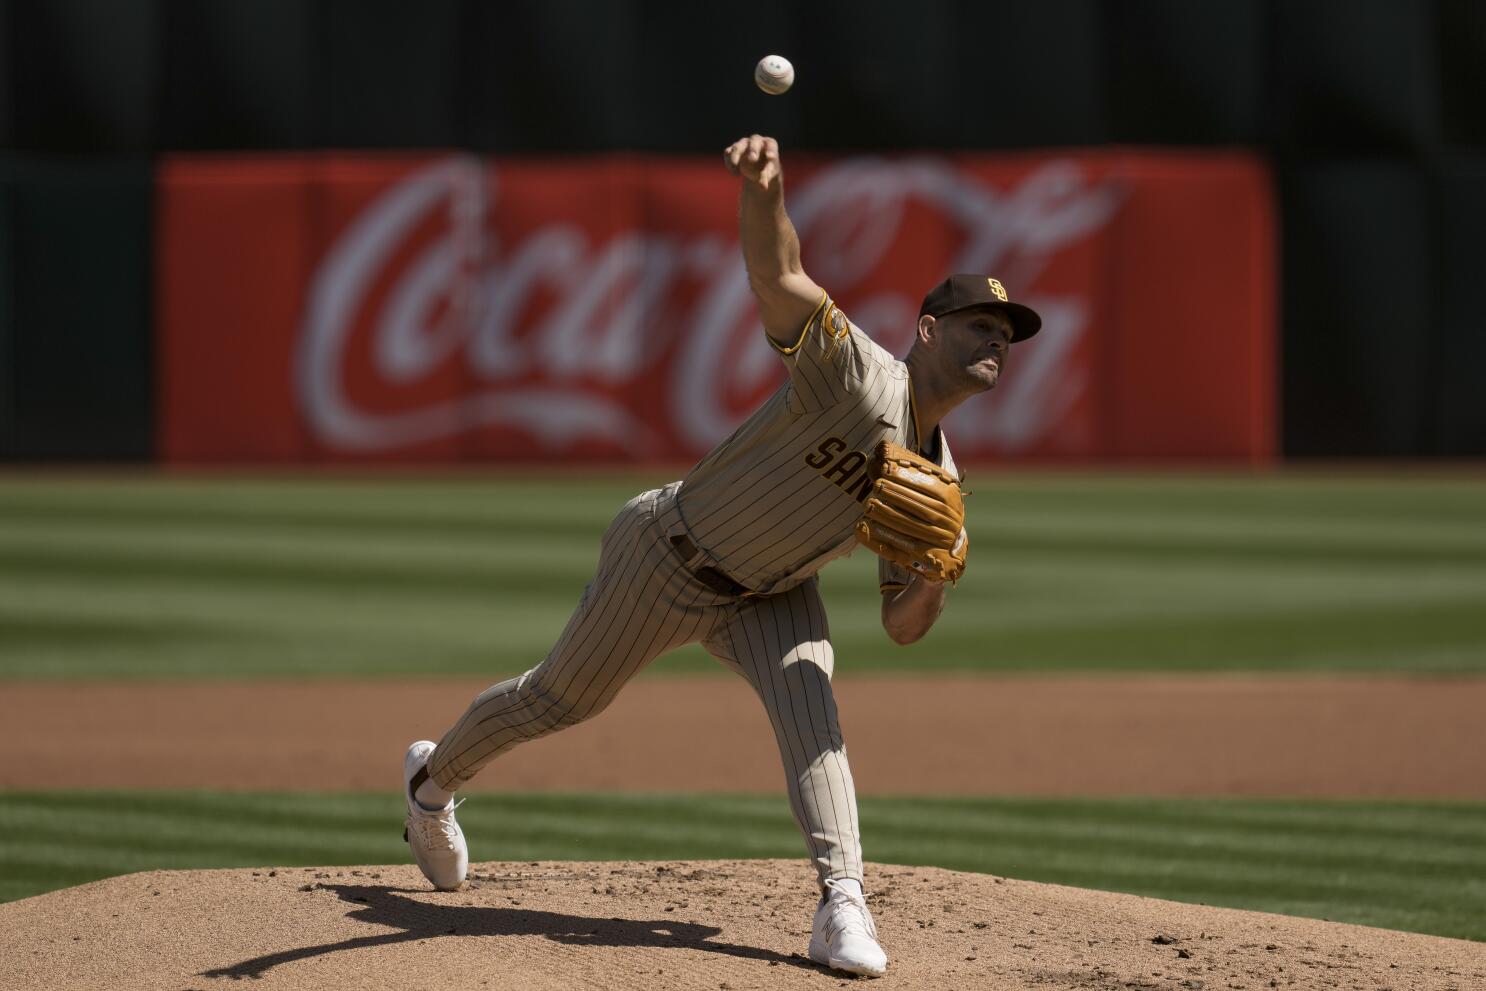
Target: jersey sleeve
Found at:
x=832, y=358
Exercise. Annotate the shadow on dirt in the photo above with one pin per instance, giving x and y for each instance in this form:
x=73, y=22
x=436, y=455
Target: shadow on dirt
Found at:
x=384, y=906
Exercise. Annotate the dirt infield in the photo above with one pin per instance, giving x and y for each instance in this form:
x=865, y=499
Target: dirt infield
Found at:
x=1142, y=735
x=729, y=925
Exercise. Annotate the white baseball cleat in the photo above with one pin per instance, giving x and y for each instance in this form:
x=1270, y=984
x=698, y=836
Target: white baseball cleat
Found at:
x=844, y=936
x=437, y=841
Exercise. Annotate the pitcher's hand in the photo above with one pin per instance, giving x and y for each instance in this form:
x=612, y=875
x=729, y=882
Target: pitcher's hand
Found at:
x=755, y=158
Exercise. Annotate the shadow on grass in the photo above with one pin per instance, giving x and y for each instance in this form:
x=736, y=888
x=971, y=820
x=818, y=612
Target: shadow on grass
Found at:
x=384, y=906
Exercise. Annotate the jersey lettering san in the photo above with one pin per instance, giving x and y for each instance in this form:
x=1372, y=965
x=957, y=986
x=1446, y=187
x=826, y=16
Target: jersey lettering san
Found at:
x=842, y=467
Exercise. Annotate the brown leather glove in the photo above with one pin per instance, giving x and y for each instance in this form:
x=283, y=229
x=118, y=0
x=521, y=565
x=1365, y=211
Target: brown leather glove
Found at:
x=914, y=514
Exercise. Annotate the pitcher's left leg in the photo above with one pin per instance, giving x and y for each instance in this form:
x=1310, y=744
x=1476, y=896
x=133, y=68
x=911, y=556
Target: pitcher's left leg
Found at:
x=782, y=645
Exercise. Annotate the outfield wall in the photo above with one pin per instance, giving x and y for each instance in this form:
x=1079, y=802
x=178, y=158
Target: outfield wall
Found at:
x=360, y=308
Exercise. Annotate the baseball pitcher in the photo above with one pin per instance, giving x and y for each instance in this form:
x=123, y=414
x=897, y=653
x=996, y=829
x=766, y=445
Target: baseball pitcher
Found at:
x=849, y=450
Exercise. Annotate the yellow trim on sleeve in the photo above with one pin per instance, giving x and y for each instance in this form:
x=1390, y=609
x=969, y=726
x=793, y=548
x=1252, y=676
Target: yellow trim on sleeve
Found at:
x=892, y=586
x=824, y=300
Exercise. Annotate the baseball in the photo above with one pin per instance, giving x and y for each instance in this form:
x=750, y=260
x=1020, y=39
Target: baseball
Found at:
x=774, y=74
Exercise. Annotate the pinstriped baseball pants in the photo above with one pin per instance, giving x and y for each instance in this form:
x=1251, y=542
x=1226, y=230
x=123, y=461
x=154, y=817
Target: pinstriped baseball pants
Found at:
x=643, y=602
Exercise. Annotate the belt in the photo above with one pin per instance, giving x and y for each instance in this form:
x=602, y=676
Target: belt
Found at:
x=709, y=576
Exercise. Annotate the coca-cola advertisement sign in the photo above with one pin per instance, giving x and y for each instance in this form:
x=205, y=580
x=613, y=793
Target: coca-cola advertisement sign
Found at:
x=460, y=308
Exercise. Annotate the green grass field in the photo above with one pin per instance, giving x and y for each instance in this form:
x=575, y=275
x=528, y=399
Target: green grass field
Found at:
x=178, y=577
x=1401, y=865
x=183, y=578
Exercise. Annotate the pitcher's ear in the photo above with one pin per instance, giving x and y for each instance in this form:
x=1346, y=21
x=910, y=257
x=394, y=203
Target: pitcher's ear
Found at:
x=926, y=330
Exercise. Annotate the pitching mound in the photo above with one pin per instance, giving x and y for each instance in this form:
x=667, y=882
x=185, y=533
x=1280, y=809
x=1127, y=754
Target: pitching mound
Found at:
x=716, y=924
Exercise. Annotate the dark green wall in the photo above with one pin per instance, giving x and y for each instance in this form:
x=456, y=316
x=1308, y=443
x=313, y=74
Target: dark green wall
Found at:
x=75, y=341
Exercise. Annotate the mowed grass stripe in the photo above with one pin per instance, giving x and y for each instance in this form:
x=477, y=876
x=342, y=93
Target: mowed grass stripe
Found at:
x=1287, y=851
x=52, y=582
x=1154, y=525
x=1368, y=494
x=1382, y=820
x=456, y=551
x=1349, y=861
x=184, y=630
x=306, y=566
x=163, y=577
x=456, y=563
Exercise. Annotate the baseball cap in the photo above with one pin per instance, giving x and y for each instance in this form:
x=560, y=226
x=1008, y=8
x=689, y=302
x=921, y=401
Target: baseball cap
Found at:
x=964, y=291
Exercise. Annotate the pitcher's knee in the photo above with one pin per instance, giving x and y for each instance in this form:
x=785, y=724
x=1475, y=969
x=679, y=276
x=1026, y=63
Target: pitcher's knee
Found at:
x=553, y=709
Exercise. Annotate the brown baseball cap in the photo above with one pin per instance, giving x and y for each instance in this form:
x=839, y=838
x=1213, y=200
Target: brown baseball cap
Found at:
x=965, y=291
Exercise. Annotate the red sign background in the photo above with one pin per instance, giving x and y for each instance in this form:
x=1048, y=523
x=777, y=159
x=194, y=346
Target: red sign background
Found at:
x=449, y=308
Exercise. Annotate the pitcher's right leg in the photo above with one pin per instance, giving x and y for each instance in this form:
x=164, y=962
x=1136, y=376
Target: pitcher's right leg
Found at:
x=641, y=604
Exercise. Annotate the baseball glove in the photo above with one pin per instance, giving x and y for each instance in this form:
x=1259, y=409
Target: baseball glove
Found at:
x=914, y=514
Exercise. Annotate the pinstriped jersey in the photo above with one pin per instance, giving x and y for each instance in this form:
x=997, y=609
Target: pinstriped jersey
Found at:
x=781, y=497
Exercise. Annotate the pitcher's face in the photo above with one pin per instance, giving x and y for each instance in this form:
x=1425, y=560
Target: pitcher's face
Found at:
x=973, y=345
